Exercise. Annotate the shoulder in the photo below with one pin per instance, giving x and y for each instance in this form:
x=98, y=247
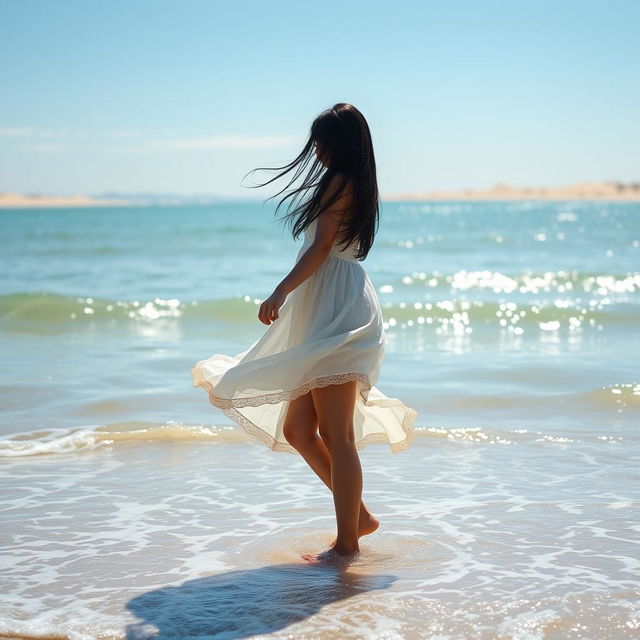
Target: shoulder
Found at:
x=339, y=191
x=335, y=207
x=341, y=182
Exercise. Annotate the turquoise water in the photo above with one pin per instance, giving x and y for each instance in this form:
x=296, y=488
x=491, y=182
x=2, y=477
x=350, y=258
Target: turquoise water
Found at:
x=496, y=314
x=512, y=330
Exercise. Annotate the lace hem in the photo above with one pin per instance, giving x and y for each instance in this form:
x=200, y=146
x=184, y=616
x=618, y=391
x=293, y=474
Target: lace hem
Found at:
x=229, y=408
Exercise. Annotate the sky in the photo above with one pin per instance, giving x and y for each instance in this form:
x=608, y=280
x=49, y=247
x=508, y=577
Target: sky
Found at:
x=188, y=96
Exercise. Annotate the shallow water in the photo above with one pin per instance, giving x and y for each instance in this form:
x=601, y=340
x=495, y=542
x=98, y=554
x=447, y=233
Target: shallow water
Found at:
x=133, y=508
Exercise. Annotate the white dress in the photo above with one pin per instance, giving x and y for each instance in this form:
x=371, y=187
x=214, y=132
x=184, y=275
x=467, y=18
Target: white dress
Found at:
x=329, y=331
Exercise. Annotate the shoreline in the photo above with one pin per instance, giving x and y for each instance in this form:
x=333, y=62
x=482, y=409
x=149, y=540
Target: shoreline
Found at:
x=54, y=206
x=19, y=201
x=582, y=192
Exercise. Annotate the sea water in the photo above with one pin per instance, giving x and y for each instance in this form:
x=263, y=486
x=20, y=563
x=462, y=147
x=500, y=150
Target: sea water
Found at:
x=132, y=508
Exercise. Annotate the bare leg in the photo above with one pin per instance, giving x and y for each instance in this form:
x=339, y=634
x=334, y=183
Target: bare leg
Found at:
x=334, y=405
x=300, y=430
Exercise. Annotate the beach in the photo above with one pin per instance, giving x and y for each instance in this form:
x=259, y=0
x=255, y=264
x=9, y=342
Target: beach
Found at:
x=584, y=191
x=612, y=191
x=46, y=201
x=134, y=509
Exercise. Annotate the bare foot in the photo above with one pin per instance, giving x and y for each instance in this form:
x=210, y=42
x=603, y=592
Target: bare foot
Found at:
x=331, y=557
x=366, y=524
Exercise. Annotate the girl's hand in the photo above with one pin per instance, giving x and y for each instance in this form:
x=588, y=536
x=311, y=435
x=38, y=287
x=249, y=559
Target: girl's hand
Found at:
x=268, y=311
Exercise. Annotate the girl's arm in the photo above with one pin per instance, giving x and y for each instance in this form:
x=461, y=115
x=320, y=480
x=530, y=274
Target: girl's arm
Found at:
x=327, y=226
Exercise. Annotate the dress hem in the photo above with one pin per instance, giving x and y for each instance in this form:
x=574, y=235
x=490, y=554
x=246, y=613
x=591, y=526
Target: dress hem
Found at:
x=230, y=408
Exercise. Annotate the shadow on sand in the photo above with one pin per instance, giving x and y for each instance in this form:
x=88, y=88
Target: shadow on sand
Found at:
x=240, y=604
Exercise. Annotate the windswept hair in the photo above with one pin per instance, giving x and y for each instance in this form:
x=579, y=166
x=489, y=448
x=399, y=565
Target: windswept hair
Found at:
x=343, y=139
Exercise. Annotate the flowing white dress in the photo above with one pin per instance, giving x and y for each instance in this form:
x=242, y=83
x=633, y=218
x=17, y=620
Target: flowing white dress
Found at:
x=329, y=331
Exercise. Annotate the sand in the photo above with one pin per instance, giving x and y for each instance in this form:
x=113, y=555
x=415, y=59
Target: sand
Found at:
x=581, y=191
x=606, y=191
x=17, y=200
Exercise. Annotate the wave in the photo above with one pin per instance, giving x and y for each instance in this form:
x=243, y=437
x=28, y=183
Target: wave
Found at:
x=73, y=440
x=82, y=439
x=529, y=282
x=55, y=308
x=27, y=311
x=615, y=396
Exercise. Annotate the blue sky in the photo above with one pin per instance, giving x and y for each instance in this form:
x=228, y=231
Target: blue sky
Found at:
x=188, y=96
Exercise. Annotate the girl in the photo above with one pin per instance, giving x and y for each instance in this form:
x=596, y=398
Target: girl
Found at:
x=307, y=385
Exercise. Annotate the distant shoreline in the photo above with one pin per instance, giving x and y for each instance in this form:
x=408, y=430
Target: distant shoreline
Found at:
x=18, y=201
x=586, y=191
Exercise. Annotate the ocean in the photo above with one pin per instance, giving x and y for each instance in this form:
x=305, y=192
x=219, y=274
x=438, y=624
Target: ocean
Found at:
x=132, y=508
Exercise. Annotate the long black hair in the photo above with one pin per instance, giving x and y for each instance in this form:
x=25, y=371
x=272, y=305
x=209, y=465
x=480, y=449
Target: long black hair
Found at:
x=343, y=140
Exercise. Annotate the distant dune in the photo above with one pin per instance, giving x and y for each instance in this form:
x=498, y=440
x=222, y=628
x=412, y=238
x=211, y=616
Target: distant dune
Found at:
x=108, y=199
x=16, y=200
x=582, y=191
x=502, y=191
